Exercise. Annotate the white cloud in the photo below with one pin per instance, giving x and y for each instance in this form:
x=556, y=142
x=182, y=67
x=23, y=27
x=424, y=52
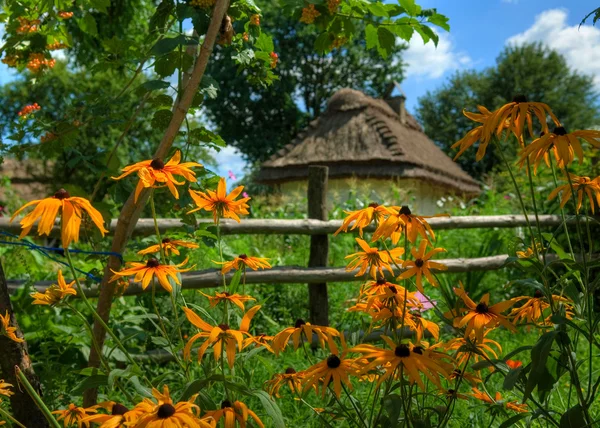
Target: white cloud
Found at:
x=229, y=159
x=511, y=1
x=579, y=45
x=425, y=61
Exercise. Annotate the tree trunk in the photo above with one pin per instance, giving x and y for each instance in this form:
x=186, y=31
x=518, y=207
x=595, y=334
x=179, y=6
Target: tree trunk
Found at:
x=15, y=354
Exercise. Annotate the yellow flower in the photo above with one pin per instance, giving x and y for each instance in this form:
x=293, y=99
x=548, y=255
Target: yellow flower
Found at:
x=71, y=209
x=459, y=374
x=305, y=330
x=564, y=146
x=582, y=186
x=533, y=309
x=362, y=218
x=243, y=261
x=7, y=330
x=4, y=388
x=145, y=272
x=334, y=369
x=220, y=203
x=483, y=396
x=224, y=296
x=231, y=413
x=168, y=245
x=475, y=134
x=155, y=171
x=74, y=414
x=260, y=340
x=55, y=293
x=373, y=259
x=421, y=265
x=309, y=14
x=220, y=337
x=118, y=416
x=481, y=315
x=469, y=349
x=411, y=360
x=415, y=226
x=167, y=414
x=529, y=251
x=290, y=377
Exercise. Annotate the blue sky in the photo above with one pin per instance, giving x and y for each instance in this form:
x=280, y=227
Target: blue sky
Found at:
x=479, y=31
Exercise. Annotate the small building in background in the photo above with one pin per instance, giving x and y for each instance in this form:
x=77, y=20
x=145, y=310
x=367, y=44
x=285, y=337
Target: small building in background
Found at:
x=373, y=147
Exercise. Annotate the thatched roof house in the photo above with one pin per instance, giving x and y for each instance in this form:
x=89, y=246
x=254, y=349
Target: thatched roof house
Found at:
x=370, y=139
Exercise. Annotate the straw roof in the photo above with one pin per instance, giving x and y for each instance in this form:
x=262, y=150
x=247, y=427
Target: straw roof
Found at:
x=365, y=137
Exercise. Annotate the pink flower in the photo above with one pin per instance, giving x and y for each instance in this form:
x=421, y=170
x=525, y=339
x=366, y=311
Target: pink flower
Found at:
x=425, y=303
x=245, y=195
x=232, y=175
x=507, y=197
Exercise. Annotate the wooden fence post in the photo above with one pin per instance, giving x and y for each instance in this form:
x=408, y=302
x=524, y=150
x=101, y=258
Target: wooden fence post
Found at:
x=318, y=301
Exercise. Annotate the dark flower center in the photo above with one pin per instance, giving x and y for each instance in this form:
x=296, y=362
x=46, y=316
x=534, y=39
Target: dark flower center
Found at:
x=542, y=133
x=157, y=164
x=225, y=404
x=165, y=411
x=419, y=263
x=457, y=372
x=537, y=294
x=224, y=327
x=393, y=289
x=290, y=370
x=381, y=281
x=166, y=240
x=451, y=392
x=333, y=361
x=62, y=194
x=405, y=210
x=226, y=294
x=119, y=409
x=373, y=205
x=402, y=351
x=242, y=256
x=418, y=350
x=482, y=308
x=520, y=98
x=560, y=130
x=417, y=315
x=299, y=323
x=152, y=263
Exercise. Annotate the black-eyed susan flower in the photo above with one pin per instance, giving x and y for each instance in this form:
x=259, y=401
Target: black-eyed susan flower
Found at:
x=232, y=412
x=220, y=337
x=458, y=374
x=244, y=261
x=562, y=144
x=582, y=186
x=168, y=246
x=75, y=415
x=221, y=204
x=481, y=315
x=415, y=225
x=55, y=293
x=422, y=265
x=4, y=388
x=155, y=171
x=71, y=210
x=259, y=340
x=475, y=134
x=7, y=330
x=530, y=251
x=304, y=331
x=373, y=259
x=415, y=322
x=118, y=416
x=486, y=398
x=470, y=349
x=482, y=396
x=164, y=413
x=145, y=272
x=411, y=361
x=290, y=377
x=362, y=218
x=533, y=310
x=224, y=296
x=335, y=369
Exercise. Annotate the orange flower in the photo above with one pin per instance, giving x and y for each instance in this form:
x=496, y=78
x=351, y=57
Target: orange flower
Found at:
x=55, y=293
x=168, y=245
x=255, y=20
x=332, y=6
x=28, y=109
x=334, y=369
x=373, y=259
x=582, y=186
x=75, y=415
x=474, y=134
x=118, y=416
x=362, y=218
x=4, y=388
x=482, y=315
x=71, y=209
x=37, y=62
x=145, y=272
x=483, y=396
x=533, y=309
x=403, y=218
x=260, y=340
x=65, y=15
x=231, y=413
x=274, y=59
x=513, y=364
x=290, y=377
x=421, y=265
x=7, y=330
x=221, y=337
x=155, y=171
x=220, y=203
x=243, y=261
x=467, y=348
x=305, y=330
x=236, y=299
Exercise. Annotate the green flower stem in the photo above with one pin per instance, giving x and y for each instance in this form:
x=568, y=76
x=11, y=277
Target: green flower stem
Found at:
x=90, y=331
x=314, y=410
x=7, y=416
x=98, y=318
x=353, y=405
x=156, y=230
x=38, y=400
x=562, y=212
x=535, y=211
x=579, y=233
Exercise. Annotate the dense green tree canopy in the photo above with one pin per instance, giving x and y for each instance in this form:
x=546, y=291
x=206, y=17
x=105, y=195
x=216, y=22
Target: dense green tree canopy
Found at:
x=533, y=70
x=259, y=120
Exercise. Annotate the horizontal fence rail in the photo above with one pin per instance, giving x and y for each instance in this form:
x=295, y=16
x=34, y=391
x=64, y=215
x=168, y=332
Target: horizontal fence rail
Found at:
x=145, y=226
x=290, y=275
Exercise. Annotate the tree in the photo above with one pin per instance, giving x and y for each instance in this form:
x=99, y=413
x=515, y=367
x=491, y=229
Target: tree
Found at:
x=533, y=70
x=259, y=120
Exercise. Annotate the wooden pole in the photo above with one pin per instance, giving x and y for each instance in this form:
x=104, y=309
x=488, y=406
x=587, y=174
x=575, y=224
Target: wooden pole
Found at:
x=14, y=354
x=318, y=301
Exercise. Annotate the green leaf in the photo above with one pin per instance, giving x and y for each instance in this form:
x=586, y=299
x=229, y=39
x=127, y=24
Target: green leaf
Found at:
x=405, y=32
x=427, y=34
x=160, y=341
x=387, y=41
x=87, y=24
x=270, y=407
x=371, y=36
x=151, y=85
x=573, y=418
x=439, y=20
x=378, y=9
x=235, y=281
x=410, y=7
x=209, y=87
x=510, y=422
x=392, y=404
x=264, y=43
x=161, y=119
x=511, y=378
x=323, y=43
x=168, y=44
x=101, y=5
x=93, y=381
x=166, y=65
x=539, y=356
